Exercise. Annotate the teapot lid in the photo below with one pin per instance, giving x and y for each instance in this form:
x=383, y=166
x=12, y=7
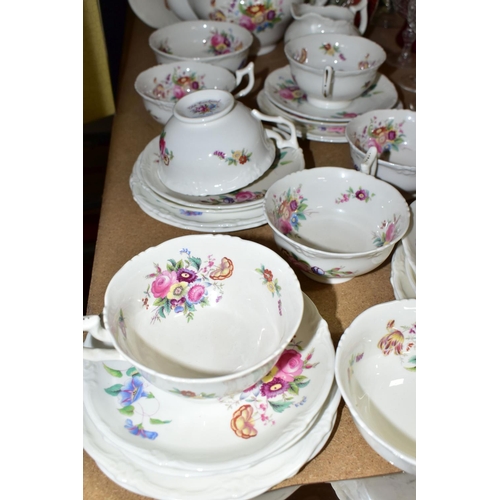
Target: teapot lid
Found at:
x=204, y=106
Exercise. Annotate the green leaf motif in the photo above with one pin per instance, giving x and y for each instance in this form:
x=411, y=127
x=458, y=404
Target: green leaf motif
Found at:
x=156, y=421
x=127, y=410
x=195, y=262
x=114, y=390
x=293, y=388
x=112, y=372
x=132, y=372
x=279, y=407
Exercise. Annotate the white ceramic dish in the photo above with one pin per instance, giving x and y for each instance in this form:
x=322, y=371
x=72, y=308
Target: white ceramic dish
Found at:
x=283, y=92
x=235, y=432
x=289, y=160
x=334, y=224
x=220, y=43
x=161, y=86
x=334, y=69
x=154, y=13
x=237, y=485
x=410, y=239
x=399, y=279
x=375, y=368
x=178, y=312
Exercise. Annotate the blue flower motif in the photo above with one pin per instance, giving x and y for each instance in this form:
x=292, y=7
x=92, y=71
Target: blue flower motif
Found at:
x=138, y=430
x=132, y=391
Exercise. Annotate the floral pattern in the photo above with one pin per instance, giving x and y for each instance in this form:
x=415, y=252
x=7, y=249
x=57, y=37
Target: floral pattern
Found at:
x=355, y=358
x=165, y=47
x=360, y=194
x=255, y=16
x=176, y=85
x=330, y=50
x=165, y=154
x=303, y=265
x=385, y=135
x=240, y=156
x=289, y=210
x=277, y=392
x=290, y=91
x=193, y=395
x=271, y=283
x=389, y=231
x=223, y=42
x=135, y=401
x=204, y=108
x=186, y=284
x=401, y=342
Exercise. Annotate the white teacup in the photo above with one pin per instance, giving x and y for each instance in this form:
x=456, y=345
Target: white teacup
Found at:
x=334, y=69
x=163, y=85
x=214, y=144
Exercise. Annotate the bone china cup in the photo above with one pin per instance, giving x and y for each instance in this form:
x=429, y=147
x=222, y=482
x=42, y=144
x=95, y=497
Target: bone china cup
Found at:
x=163, y=85
x=201, y=316
x=334, y=223
x=392, y=133
x=214, y=144
x=220, y=43
x=334, y=69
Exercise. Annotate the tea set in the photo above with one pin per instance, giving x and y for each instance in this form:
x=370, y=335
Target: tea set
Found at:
x=210, y=374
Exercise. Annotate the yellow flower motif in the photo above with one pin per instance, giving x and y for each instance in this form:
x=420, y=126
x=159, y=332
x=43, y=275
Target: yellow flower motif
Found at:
x=237, y=155
x=271, y=287
x=177, y=290
x=270, y=375
x=242, y=422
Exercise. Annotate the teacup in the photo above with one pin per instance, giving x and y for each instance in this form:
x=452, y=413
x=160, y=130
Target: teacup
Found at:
x=334, y=69
x=163, y=85
x=214, y=144
x=200, y=316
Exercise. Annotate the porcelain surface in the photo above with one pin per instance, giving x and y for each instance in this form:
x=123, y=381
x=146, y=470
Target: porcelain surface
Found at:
x=333, y=224
x=399, y=280
x=188, y=314
x=410, y=240
x=220, y=43
x=287, y=160
x=239, y=485
x=160, y=430
x=376, y=368
x=163, y=85
x=154, y=13
x=284, y=93
x=334, y=69
x=393, y=134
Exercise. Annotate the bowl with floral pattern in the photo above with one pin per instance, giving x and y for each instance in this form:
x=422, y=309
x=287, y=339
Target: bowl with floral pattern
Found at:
x=214, y=144
x=333, y=69
x=161, y=86
x=201, y=315
x=392, y=132
x=220, y=43
x=376, y=367
x=333, y=223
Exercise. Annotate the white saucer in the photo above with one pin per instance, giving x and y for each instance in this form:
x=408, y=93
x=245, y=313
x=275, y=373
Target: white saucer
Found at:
x=399, y=279
x=289, y=160
x=383, y=95
x=154, y=13
x=237, y=485
x=153, y=206
x=165, y=433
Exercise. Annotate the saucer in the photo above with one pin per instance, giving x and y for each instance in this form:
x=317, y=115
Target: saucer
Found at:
x=287, y=161
x=195, y=437
x=283, y=92
x=154, y=13
x=237, y=485
x=153, y=206
x=399, y=279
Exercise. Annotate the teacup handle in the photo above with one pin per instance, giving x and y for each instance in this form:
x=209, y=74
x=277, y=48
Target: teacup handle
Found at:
x=369, y=163
x=327, y=81
x=240, y=73
x=280, y=141
x=92, y=325
x=362, y=8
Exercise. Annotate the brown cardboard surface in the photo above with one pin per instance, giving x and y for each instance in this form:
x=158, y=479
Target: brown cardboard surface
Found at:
x=125, y=230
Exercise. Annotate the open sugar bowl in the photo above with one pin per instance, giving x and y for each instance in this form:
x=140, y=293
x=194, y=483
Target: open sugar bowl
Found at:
x=163, y=85
x=214, y=144
x=375, y=367
x=221, y=43
x=334, y=224
x=201, y=316
x=334, y=69
x=391, y=135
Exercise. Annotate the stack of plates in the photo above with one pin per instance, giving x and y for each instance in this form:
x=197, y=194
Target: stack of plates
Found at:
x=404, y=262
x=238, y=210
x=166, y=446
x=281, y=96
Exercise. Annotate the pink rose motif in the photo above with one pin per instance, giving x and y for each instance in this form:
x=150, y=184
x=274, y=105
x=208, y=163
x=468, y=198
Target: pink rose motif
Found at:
x=161, y=285
x=196, y=293
x=286, y=93
x=246, y=22
x=289, y=365
x=179, y=92
x=391, y=232
x=218, y=39
x=284, y=226
x=244, y=196
x=373, y=142
x=162, y=146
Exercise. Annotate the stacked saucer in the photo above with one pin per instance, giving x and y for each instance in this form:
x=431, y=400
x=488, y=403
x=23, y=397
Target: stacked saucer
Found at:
x=404, y=262
x=234, y=211
x=283, y=97
x=167, y=447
